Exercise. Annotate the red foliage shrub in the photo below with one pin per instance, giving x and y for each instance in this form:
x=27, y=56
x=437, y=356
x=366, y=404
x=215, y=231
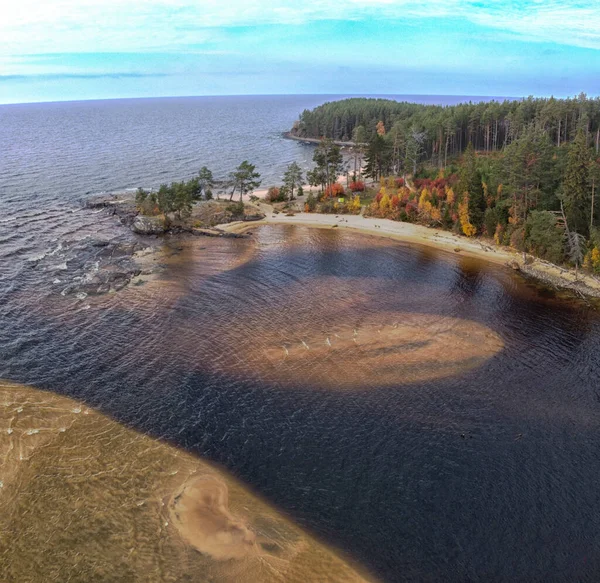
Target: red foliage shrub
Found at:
x=399, y=182
x=412, y=210
x=357, y=186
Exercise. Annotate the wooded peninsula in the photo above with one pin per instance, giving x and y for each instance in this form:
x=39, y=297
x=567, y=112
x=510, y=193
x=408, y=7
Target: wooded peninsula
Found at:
x=523, y=172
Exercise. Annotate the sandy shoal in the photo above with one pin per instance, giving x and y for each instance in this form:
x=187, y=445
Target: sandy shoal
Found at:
x=84, y=498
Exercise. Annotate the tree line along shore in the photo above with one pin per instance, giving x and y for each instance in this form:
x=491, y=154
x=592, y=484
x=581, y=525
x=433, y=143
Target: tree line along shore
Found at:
x=522, y=173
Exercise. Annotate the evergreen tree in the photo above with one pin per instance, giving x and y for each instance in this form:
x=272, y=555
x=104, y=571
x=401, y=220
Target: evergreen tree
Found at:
x=292, y=178
x=470, y=185
x=206, y=182
x=245, y=179
x=378, y=157
x=576, y=191
x=329, y=162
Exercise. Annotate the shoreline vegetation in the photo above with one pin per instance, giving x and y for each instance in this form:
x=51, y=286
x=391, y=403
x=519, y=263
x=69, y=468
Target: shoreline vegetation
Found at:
x=261, y=213
x=521, y=173
x=512, y=182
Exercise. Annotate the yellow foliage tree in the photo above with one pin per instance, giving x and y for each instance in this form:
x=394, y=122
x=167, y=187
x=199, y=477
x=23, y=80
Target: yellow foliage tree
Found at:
x=450, y=197
x=404, y=192
x=425, y=197
x=595, y=259
x=385, y=203
x=465, y=222
x=355, y=205
x=499, y=234
x=436, y=214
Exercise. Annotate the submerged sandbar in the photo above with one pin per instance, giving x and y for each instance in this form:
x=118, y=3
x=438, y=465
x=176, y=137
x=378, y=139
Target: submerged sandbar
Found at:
x=83, y=498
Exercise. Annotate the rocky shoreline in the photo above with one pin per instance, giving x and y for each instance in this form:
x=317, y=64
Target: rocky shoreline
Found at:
x=204, y=220
x=95, y=267
x=99, y=267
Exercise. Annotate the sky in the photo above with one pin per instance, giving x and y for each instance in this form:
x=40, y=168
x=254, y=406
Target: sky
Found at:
x=55, y=50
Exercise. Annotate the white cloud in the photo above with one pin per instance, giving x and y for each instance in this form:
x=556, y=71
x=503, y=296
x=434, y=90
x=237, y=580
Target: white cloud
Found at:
x=45, y=26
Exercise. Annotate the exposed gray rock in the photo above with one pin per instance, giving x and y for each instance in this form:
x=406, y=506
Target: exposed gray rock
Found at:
x=143, y=225
x=121, y=206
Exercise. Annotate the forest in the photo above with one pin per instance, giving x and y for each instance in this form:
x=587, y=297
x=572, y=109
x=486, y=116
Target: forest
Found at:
x=522, y=172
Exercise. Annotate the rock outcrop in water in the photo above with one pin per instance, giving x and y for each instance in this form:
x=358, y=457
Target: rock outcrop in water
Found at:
x=122, y=206
x=94, y=266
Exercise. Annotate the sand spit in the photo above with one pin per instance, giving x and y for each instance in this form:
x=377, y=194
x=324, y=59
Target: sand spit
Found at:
x=553, y=275
x=83, y=498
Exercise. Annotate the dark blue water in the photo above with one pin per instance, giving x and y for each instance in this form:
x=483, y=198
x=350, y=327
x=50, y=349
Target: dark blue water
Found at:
x=489, y=474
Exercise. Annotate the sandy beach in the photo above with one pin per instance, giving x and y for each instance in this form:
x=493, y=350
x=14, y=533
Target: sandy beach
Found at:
x=553, y=275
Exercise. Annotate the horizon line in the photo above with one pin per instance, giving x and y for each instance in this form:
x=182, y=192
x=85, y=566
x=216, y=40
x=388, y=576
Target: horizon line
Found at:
x=374, y=95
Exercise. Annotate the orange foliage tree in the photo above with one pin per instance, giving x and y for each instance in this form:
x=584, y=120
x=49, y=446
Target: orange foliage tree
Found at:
x=334, y=190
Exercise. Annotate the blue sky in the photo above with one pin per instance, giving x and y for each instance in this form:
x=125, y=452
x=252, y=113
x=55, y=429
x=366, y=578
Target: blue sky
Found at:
x=87, y=49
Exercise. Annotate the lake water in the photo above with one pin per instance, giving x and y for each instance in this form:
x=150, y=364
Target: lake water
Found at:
x=430, y=417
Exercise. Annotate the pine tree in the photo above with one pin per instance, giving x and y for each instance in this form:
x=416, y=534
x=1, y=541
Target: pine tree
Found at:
x=245, y=179
x=206, y=182
x=329, y=162
x=292, y=178
x=470, y=186
x=378, y=157
x=576, y=191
